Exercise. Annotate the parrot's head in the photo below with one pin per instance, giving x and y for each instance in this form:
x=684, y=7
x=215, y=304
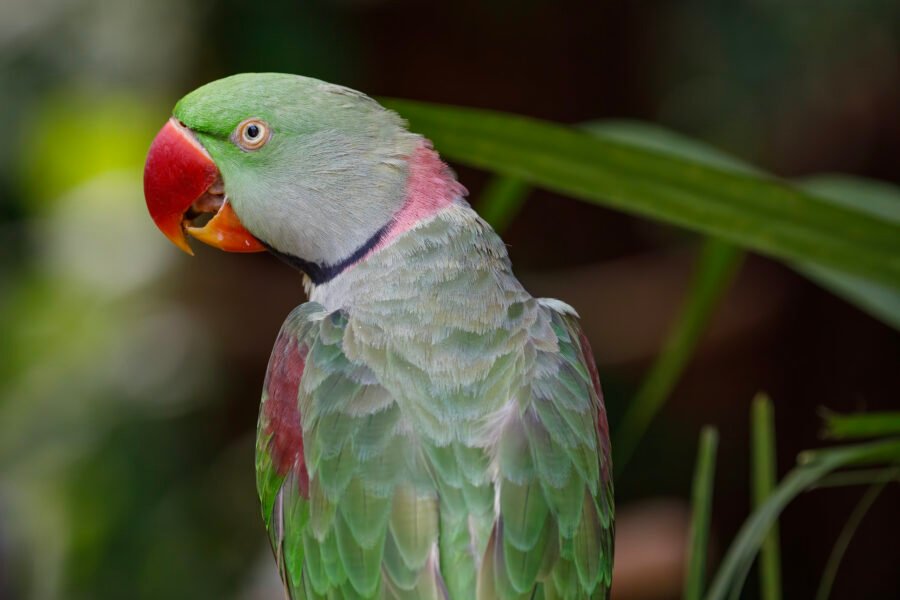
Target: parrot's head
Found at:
x=303, y=168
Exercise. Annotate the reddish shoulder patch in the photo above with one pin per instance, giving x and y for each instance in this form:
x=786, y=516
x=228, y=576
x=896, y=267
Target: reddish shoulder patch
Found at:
x=281, y=410
x=602, y=423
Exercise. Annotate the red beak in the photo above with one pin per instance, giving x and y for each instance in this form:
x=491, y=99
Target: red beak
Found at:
x=181, y=181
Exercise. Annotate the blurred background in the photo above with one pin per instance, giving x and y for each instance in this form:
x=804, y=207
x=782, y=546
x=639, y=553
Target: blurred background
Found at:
x=130, y=374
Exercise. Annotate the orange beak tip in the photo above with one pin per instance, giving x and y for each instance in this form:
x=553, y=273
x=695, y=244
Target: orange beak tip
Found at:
x=225, y=231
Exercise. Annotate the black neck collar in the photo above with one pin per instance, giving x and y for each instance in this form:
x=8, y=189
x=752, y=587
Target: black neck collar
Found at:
x=319, y=273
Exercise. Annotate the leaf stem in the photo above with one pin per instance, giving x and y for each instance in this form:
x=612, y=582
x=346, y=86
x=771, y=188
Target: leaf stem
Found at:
x=716, y=267
x=763, y=482
x=849, y=529
x=701, y=501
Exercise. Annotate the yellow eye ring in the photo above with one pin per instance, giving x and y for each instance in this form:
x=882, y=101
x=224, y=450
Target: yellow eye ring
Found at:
x=252, y=134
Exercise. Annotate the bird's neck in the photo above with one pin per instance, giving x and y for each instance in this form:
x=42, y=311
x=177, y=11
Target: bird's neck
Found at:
x=430, y=187
x=449, y=252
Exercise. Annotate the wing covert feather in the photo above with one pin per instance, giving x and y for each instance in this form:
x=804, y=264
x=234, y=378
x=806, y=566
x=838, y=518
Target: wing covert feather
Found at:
x=554, y=529
x=360, y=503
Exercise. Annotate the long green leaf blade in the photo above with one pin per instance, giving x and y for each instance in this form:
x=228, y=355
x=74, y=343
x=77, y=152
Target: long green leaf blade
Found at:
x=501, y=201
x=879, y=199
x=847, y=532
x=716, y=266
x=814, y=466
x=875, y=198
x=861, y=425
x=659, y=139
x=763, y=482
x=857, y=477
x=760, y=213
x=701, y=513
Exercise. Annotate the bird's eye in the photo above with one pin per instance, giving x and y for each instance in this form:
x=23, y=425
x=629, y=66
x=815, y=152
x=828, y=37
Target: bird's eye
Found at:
x=252, y=134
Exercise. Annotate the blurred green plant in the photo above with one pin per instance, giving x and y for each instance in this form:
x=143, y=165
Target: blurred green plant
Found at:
x=701, y=514
x=843, y=541
x=107, y=469
x=860, y=425
x=716, y=267
x=758, y=535
x=763, y=478
x=812, y=467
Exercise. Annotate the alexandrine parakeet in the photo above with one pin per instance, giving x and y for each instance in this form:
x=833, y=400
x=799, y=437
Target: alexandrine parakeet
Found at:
x=428, y=429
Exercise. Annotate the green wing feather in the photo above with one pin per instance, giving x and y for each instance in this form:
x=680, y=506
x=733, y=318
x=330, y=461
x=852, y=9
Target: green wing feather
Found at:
x=380, y=502
x=554, y=532
x=361, y=525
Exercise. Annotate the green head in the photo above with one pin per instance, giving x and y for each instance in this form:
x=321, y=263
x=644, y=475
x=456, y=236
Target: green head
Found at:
x=312, y=170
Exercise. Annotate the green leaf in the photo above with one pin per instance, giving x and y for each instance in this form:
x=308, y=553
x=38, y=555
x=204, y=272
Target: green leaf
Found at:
x=861, y=425
x=847, y=532
x=880, y=200
x=877, y=198
x=503, y=197
x=763, y=482
x=813, y=466
x=857, y=477
x=659, y=139
x=761, y=213
x=501, y=201
x=716, y=266
x=701, y=501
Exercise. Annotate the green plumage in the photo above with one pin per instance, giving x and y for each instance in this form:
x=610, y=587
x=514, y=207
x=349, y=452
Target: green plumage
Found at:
x=453, y=438
x=428, y=429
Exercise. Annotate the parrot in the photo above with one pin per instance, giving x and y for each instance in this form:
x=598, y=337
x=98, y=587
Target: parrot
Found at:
x=427, y=429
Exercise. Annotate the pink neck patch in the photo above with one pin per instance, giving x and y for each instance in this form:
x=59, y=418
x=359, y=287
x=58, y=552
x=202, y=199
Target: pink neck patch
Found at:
x=430, y=187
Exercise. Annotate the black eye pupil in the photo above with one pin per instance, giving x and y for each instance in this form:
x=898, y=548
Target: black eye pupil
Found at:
x=253, y=132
